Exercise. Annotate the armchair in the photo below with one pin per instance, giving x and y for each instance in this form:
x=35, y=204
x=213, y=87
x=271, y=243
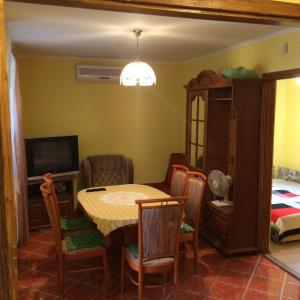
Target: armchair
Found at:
x=99, y=170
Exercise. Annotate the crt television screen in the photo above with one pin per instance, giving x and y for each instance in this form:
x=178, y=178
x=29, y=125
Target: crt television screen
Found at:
x=55, y=155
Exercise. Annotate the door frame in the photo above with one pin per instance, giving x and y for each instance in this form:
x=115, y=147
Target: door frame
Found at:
x=258, y=12
x=8, y=243
x=266, y=153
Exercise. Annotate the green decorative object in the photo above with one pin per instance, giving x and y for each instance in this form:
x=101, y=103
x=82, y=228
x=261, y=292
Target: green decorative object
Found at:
x=75, y=224
x=239, y=73
x=186, y=228
x=77, y=242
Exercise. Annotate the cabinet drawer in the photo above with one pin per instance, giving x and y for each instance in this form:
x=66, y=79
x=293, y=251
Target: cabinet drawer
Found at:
x=218, y=225
x=38, y=216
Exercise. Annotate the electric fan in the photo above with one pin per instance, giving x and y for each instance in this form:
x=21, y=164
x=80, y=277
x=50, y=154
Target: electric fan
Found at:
x=219, y=184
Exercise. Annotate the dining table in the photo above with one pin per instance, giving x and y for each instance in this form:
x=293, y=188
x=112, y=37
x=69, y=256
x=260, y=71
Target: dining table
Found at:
x=114, y=206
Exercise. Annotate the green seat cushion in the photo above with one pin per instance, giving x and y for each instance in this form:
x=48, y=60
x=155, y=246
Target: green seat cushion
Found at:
x=134, y=252
x=88, y=240
x=186, y=228
x=75, y=224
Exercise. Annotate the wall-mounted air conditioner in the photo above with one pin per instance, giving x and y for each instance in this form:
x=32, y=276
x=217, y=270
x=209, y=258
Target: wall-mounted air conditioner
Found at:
x=98, y=73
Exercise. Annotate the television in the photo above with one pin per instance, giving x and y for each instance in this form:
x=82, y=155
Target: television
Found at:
x=51, y=154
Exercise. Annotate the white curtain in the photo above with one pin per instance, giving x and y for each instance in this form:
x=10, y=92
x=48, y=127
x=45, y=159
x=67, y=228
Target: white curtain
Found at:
x=18, y=152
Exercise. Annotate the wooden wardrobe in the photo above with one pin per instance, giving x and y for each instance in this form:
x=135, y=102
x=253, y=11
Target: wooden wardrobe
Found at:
x=223, y=133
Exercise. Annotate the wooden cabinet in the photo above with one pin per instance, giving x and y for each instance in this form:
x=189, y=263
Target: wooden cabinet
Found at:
x=65, y=186
x=223, y=133
x=218, y=219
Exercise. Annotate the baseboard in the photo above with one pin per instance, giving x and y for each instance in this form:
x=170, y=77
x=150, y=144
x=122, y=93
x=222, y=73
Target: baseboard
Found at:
x=283, y=266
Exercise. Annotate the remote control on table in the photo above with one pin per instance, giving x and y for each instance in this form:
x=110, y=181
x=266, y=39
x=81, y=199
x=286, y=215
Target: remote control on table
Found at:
x=95, y=189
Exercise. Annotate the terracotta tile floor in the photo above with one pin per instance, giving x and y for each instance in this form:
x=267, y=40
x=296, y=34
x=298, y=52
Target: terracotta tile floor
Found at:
x=242, y=277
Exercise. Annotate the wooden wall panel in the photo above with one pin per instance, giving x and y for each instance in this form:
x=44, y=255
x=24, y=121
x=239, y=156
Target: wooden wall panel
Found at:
x=8, y=258
x=256, y=11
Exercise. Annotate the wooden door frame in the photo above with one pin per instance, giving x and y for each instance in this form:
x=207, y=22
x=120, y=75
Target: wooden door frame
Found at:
x=266, y=153
x=258, y=12
x=8, y=244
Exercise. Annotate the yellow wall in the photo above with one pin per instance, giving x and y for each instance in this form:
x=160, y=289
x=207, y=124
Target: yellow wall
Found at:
x=279, y=126
x=289, y=1
x=264, y=56
x=287, y=126
x=146, y=124
x=292, y=127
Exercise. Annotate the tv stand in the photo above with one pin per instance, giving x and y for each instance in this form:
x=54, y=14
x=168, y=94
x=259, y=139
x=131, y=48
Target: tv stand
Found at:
x=54, y=175
x=66, y=190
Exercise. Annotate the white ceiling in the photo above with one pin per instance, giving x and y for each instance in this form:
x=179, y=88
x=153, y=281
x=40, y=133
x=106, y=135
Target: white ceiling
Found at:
x=72, y=32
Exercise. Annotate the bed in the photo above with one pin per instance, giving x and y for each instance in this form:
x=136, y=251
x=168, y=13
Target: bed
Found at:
x=285, y=212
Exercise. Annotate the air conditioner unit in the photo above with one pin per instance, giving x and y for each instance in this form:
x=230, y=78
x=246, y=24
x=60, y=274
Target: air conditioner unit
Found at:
x=98, y=73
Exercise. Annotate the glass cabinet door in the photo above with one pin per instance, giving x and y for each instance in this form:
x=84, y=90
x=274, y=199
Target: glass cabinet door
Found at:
x=196, y=140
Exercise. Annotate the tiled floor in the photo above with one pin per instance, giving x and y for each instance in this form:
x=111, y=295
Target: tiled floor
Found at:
x=242, y=277
x=287, y=253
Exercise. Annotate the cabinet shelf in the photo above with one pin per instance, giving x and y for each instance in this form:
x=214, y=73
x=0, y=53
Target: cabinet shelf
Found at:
x=221, y=99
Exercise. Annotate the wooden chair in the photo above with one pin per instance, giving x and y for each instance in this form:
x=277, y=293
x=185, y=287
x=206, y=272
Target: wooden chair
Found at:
x=178, y=180
x=195, y=192
x=70, y=225
x=72, y=247
x=175, y=158
x=158, y=242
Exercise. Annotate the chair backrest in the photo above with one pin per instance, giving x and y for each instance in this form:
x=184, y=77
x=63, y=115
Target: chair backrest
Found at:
x=100, y=170
x=175, y=159
x=178, y=180
x=195, y=192
x=49, y=196
x=158, y=227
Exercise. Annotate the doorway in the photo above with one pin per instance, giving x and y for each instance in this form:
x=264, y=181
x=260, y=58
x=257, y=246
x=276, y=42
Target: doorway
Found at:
x=285, y=203
x=279, y=162
x=233, y=11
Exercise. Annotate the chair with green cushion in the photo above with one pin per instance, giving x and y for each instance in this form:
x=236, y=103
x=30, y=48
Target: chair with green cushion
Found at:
x=73, y=247
x=69, y=225
x=158, y=243
x=195, y=192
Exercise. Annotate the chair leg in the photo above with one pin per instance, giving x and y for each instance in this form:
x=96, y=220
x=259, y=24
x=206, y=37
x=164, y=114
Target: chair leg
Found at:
x=106, y=271
x=181, y=256
x=196, y=269
x=182, y=251
x=141, y=283
x=61, y=279
x=176, y=281
x=122, y=271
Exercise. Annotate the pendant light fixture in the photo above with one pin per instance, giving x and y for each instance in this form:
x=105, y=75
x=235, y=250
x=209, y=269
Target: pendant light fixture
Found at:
x=137, y=72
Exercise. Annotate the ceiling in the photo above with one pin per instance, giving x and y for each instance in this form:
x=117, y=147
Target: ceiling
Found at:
x=74, y=32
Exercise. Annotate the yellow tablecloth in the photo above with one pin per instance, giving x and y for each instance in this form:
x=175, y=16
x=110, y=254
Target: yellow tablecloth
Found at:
x=109, y=217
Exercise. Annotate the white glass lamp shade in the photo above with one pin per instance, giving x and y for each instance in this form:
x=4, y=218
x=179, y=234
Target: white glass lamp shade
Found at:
x=137, y=73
